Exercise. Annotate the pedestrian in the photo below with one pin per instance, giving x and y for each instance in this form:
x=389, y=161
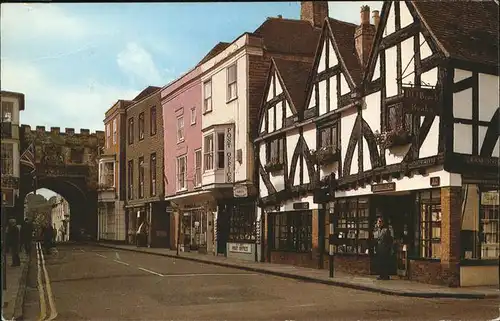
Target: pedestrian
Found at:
x=13, y=243
x=27, y=235
x=383, y=248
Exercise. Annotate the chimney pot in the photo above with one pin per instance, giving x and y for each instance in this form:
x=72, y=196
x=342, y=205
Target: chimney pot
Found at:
x=376, y=18
x=365, y=15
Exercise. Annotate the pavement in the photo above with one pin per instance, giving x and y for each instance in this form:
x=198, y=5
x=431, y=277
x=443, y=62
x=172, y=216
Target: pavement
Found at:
x=13, y=297
x=397, y=287
x=86, y=282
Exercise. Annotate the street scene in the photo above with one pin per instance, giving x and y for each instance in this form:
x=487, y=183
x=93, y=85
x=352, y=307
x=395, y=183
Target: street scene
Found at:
x=95, y=283
x=300, y=160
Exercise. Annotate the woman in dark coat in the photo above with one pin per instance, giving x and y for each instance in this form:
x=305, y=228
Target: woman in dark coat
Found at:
x=383, y=248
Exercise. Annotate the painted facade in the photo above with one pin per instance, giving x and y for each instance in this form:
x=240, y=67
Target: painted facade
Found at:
x=404, y=122
x=12, y=104
x=233, y=87
x=60, y=215
x=112, y=187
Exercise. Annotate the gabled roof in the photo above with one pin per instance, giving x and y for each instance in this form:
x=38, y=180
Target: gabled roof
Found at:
x=288, y=36
x=294, y=76
x=221, y=46
x=464, y=30
x=343, y=35
x=146, y=92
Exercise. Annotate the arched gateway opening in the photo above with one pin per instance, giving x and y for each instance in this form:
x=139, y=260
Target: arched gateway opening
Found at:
x=65, y=163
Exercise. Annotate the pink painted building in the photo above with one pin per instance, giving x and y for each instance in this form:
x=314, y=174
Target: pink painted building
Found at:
x=181, y=102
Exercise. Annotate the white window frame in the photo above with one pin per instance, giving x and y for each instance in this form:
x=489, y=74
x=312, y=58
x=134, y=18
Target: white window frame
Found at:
x=197, y=167
x=208, y=153
x=7, y=162
x=142, y=168
x=232, y=84
x=193, y=115
x=178, y=173
x=108, y=134
x=220, y=152
x=141, y=125
x=207, y=97
x=114, y=131
x=180, y=129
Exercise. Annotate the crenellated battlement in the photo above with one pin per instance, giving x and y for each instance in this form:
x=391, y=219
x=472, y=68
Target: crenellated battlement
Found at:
x=57, y=130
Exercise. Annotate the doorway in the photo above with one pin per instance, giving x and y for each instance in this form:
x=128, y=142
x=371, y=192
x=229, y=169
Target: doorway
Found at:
x=397, y=211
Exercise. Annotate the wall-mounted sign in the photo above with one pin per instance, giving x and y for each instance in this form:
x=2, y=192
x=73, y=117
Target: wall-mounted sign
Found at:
x=7, y=197
x=421, y=101
x=240, y=248
x=301, y=206
x=384, y=187
x=435, y=181
x=481, y=160
x=240, y=190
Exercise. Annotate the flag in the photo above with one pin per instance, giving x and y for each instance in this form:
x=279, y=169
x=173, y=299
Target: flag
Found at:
x=28, y=157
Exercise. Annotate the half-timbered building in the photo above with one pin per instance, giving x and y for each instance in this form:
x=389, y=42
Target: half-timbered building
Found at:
x=405, y=119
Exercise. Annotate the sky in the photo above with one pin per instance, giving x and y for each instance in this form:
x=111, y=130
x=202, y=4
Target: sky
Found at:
x=74, y=60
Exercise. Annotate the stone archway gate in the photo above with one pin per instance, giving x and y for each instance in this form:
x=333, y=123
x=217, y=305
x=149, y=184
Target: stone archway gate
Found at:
x=66, y=163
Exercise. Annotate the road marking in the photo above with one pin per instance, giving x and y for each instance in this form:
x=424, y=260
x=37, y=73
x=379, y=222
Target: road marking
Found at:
x=52, y=305
x=121, y=262
x=149, y=271
x=82, y=250
x=210, y=274
x=117, y=256
x=43, y=305
x=303, y=305
x=104, y=256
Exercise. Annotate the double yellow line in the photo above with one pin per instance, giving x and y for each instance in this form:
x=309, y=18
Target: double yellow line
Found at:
x=43, y=283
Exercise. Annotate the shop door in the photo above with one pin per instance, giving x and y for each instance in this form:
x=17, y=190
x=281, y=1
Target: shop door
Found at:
x=222, y=229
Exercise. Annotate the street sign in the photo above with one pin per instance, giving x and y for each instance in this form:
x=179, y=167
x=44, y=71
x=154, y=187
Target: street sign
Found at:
x=7, y=197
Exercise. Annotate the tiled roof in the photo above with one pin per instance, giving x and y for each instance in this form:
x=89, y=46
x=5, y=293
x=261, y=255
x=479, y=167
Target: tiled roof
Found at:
x=146, y=92
x=289, y=36
x=295, y=75
x=467, y=30
x=343, y=32
x=214, y=51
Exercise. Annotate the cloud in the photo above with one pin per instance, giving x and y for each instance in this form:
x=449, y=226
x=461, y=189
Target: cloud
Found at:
x=136, y=62
x=49, y=103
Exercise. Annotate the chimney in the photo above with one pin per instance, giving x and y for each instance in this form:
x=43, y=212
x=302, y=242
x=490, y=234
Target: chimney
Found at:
x=376, y=18
x=314, y=11
x=364, y=35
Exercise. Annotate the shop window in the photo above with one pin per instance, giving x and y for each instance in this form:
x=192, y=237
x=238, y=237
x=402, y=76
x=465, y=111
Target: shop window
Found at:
x=292, y=231
x=428, y=232
x=489, y=224
x=208, y=154
x=353, y=225
x=242, y=223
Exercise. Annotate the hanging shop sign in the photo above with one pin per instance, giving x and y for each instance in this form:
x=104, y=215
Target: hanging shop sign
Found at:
x=240, y=190
x=421, y=101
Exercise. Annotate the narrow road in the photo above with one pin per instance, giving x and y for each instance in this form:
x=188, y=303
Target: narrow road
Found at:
x=94, y=283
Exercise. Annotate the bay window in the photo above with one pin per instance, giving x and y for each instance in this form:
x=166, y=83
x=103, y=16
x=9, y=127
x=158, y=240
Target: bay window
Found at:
x=220, y=151
x=7, y=111
x=208, y=152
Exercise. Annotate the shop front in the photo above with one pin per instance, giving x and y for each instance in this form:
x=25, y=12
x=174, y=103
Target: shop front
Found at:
x=237, y=229
x=442, y=235
x=292, y=234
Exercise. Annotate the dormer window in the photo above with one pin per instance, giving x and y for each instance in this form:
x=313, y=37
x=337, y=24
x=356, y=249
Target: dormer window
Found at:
x=275, y=155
